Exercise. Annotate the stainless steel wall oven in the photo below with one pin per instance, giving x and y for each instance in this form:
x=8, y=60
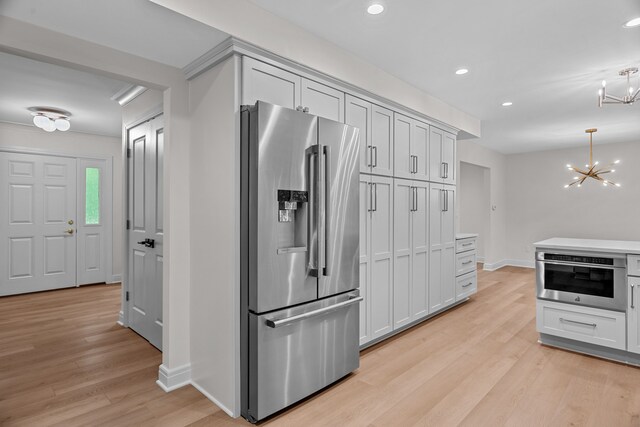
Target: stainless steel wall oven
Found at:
x=590, y=279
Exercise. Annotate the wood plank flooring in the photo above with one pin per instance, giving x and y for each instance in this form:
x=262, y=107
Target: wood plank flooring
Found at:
x=64, y=361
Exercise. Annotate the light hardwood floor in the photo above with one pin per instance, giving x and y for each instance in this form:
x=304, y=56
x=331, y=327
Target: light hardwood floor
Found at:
x=63, y=360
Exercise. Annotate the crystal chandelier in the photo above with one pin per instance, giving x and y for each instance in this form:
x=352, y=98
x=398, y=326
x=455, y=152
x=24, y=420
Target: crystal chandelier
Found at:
x=628, y=98
x=591, y=171
x=50, y=119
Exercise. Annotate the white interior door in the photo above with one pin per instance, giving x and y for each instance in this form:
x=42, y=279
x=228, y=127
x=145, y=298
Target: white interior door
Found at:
x=37, y=213
x=145, y=175
x=94, y=220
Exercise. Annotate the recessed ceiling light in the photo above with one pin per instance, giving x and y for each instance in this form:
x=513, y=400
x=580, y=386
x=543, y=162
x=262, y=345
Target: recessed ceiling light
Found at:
x=462, y=71
x=507, y=104
x=633, y=23
x=375, y=9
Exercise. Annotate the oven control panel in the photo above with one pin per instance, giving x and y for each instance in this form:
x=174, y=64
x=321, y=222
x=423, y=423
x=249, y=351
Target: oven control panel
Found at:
x=578, y=258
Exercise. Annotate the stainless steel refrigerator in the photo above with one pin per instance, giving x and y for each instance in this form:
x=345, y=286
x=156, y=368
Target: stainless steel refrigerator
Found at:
x=299, y=256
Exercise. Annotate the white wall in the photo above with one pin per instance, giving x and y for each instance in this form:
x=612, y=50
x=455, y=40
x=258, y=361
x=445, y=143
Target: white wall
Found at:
x=76, y=144
x=539, y=207
x=215, y=166
x=149, y=102
x=496, y=242
x=473, y=210
x=249, y=22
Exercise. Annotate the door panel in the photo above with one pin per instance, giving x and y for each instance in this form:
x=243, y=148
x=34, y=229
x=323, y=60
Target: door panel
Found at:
x=403, y=201
x=145, y=273
x=264, y=82
x=382, y=140
x=449, y=157
x=365, y=259
x=382, y=256
x=420, y=252
x=340, y=145
x=402, y=142
x=322, y=100
x=436, y=137
x=37, y=245
x=420, y=149
x=436, y=246
x=358, y=114
x=449, y=248
x=633, y=318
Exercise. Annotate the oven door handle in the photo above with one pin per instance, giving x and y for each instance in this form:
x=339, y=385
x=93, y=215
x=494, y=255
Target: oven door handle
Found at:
x=577, y=264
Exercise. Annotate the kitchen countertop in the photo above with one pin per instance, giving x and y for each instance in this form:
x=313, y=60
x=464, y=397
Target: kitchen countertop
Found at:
x=460, y=236
x=611, y=246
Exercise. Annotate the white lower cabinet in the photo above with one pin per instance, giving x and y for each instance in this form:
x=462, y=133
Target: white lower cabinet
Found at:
x=376, y=257
x=633, y=319
x=442, y=247
x=411, y=251
x=592, y=325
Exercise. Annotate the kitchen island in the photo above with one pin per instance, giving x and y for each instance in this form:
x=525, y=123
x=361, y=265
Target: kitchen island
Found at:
x=587, y=297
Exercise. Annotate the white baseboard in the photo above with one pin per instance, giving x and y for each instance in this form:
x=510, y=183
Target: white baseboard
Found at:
x=172, y=379
x=509, y=262
x=116, y=278
x=120, y=318
x=214, y=400
x=480, y=259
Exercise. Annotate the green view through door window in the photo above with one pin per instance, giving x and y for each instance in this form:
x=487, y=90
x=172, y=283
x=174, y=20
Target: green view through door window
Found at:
x=92, y=196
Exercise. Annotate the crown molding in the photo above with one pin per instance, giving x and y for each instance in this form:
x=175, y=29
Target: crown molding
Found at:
x=128, y=94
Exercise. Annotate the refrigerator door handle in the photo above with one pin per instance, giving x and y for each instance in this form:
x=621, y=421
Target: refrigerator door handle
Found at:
x=312, y=217
x=273, y=323
x=326, y=150
x=321, y=208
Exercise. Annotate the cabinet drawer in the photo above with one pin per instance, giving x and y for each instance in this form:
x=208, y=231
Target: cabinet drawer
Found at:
x=465, y=263
x=586, y=324
x=466, y=285
x=464, y=245
x=633, y=265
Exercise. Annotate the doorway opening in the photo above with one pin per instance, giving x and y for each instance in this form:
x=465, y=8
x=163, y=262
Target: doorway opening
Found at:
x=475, y=204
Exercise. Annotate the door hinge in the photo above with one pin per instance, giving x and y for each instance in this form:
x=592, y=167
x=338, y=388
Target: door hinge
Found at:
x=128, y=153
x=128, y=224
x=126, y=296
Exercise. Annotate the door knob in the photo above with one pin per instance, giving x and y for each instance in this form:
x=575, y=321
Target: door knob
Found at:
x=70, y=222
x=149, y=243
x=69, y=231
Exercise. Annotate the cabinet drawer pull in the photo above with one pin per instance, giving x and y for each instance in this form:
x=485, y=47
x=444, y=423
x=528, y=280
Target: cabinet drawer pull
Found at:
x=467, y=262
x=467, y=285
x=467, y=244
x=593, y=325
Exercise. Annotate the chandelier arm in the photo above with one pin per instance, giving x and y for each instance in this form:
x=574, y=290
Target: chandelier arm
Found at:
x=636, y=94
x=607, y=96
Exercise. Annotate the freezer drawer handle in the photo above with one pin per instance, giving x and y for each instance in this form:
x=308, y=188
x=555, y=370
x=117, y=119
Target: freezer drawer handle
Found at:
x=593, y=325
x=283, y=322
x=291, y=250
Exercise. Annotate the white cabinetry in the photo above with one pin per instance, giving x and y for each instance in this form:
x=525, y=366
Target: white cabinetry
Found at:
x=466, y=275
x=376, y=257
x=411, y=148
x=633, y=317
x=442, y=165
x=411, y=251
x=376, y=135
x=442, y=247
x=264, y=82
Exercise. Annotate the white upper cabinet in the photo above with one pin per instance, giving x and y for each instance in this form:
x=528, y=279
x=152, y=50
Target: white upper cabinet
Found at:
x=442, y=164
x=264, y=82
x=323, y=101
x=376, y=135
x=411, y=150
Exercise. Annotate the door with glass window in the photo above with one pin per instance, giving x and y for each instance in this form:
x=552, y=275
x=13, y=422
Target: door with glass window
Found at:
x=145, y=217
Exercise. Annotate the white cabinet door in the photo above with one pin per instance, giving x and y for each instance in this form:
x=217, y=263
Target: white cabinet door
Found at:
x=264, y=82
x=381, y=290
x=382, y=140
x=436, y=246
x=436, y=167
x=633, y=318
x=323, y=101
x=402, y=159
x=365, y=259
x=420, y=150
x=358, y=114
x=37, y=223
x=403, y=205
x=420, y=251
x=448, y=236
x=449, y=158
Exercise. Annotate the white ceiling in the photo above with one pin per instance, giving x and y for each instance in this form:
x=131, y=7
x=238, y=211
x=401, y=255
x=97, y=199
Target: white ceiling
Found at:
x=138, y=27
x=546, y=56
x=27, y=83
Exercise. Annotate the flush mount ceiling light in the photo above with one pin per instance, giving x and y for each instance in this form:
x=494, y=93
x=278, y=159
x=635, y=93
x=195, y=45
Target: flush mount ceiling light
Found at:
x=632, y=23
x=375, y=9
x=629, y=98
x=507, y=104
x=462, y=71
x=591, y=171
x=50, y=119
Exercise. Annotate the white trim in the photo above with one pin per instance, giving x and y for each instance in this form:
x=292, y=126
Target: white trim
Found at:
x=509, y=262
x=116, y=278
x=128, y=94
x=120, y=320
x=172, y=379
x=213, y=399
x=480, y=259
